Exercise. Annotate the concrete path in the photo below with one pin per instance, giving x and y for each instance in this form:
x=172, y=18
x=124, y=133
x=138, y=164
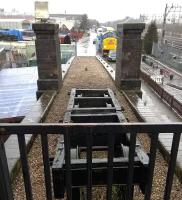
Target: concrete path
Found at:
x=152, y=109
x=172, y=86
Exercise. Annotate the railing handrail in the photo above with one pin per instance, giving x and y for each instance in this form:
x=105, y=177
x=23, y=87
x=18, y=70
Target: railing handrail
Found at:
x=37, y=128
x=110, y=130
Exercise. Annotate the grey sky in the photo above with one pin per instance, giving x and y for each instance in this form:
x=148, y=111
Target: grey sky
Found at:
x=98, y=9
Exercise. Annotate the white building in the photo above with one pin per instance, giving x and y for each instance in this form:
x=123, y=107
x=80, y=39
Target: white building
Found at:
x=15, y=24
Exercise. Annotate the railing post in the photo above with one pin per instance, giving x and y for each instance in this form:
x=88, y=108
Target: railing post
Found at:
x=171, y=103
x=5, y=185
x=162, y=92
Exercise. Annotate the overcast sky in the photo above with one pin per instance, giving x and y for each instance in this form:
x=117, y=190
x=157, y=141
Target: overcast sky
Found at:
x=102, y=10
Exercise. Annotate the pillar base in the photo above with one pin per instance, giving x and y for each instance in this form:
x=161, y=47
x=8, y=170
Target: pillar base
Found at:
x=130, y=84
x=49, y=84
x=139, y=93
x=133, y=85
x=39, y=93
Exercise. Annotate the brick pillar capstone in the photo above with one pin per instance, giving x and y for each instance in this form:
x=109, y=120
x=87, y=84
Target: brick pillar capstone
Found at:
x=48, y=57
x=128, y=57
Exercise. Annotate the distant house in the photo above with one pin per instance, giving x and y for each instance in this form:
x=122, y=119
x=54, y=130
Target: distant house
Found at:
x=15, y=24
x=67, y=16
x=68, y=19
x=16, y=16
x=66, y=26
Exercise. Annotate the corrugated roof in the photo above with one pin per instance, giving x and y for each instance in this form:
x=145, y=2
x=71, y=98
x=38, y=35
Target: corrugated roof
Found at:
x=17, y=91
x=68, y=24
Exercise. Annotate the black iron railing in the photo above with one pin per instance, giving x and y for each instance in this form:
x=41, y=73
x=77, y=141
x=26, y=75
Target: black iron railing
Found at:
x=67, y=130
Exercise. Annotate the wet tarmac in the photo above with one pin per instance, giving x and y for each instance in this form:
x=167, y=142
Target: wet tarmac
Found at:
x=153, y=110
x=173, y=86
x=85, y=46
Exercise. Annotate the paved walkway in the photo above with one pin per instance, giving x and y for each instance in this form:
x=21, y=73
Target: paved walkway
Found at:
x=172, y=86
x=152, y=109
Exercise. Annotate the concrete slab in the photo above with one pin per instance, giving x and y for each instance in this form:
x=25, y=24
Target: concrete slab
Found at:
x=37, y=114
x=152, y=109
x=12, y=150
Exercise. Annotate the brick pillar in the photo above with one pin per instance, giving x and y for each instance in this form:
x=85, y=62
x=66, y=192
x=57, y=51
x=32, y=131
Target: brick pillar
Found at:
x=128, y=56
x=48, y=57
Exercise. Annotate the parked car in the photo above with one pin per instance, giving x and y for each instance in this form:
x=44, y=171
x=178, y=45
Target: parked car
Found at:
x=112, y=55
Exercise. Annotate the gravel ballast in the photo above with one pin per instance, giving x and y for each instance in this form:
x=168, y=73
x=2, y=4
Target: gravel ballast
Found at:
x=87, y=72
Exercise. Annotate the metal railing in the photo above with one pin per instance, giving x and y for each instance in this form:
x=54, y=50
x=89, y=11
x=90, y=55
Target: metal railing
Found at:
x=67, y=130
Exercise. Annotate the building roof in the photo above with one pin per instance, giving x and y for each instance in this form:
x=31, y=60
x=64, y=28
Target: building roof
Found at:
x=29, y=17
x=17, y=91
x=13, y=20
x=68, y=16
x=69, y=24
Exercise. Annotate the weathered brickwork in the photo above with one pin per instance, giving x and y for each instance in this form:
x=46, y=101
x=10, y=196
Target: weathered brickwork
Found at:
x=48, y=57
x=129, y=56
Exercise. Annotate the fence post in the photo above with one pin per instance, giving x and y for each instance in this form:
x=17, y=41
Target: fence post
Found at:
x=171, y=103
x=5, y=185
x=162, y=93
